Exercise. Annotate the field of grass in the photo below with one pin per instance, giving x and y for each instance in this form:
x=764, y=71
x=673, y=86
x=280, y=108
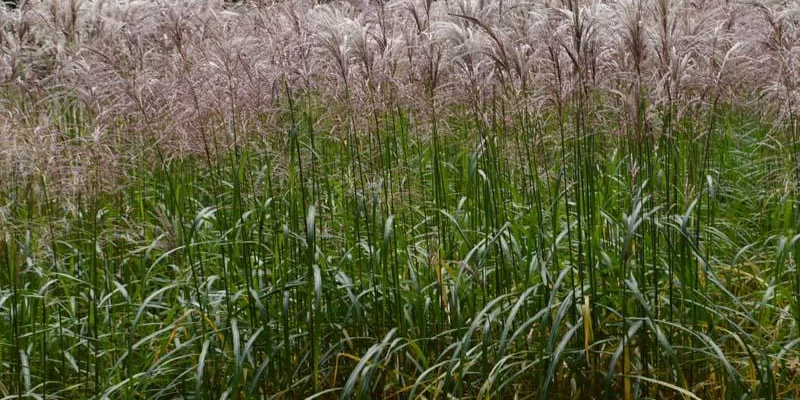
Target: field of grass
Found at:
x=452, y=199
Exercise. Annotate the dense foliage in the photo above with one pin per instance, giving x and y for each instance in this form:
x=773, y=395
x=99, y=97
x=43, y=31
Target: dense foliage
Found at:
x=405, y=199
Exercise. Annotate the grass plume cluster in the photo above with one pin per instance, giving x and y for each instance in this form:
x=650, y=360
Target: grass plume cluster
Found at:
x=402, y=199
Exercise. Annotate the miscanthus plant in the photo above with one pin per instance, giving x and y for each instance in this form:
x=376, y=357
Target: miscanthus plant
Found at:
x=403, y=199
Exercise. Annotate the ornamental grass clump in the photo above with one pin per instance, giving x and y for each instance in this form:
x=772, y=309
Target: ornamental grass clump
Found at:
x=402, y=199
